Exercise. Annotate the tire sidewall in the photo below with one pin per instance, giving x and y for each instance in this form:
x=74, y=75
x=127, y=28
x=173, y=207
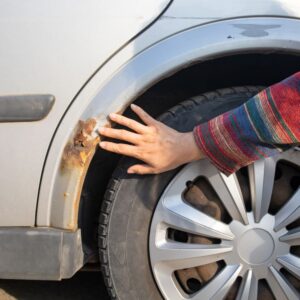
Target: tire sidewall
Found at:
x=136, y=197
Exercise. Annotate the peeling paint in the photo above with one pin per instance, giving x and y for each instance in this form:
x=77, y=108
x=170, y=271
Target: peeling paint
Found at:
x=82, y=146
x=255, y=30
x=76, y=159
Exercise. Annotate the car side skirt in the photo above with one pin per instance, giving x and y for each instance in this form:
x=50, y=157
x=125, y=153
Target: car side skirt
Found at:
x=39, y=253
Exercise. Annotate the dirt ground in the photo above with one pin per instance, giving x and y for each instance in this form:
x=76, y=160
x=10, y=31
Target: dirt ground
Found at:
x=84, y=285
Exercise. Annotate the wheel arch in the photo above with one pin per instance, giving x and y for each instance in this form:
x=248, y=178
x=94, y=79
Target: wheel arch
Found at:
x=75, y=141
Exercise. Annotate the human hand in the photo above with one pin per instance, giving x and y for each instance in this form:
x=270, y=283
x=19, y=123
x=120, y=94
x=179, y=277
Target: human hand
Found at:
x=160, y=147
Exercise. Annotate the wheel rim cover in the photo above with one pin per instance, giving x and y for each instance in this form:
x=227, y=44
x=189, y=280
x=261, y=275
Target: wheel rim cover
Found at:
x=254, y=245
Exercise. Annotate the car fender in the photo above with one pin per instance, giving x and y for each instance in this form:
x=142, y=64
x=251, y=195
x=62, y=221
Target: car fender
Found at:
x=114, y=87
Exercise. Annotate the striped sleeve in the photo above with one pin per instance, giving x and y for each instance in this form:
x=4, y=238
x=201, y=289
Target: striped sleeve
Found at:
x=265, y=125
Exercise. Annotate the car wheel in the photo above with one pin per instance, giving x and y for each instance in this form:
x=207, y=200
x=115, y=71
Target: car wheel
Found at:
x=194, y=233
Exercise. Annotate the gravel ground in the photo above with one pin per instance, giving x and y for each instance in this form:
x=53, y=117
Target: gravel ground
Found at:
x=84, y=285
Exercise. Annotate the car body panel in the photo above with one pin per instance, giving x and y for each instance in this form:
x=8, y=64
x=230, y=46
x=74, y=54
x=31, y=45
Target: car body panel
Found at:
x=40, y=253
x=260, y=34
x=64, y=44
x=79, y=52
x=211, y=10
x=52, y=47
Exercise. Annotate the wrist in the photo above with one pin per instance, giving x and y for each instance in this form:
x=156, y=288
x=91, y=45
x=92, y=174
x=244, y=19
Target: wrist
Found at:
x=192, y=151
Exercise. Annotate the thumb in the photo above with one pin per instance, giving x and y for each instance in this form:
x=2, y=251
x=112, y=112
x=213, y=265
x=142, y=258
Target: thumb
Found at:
x=140, y=169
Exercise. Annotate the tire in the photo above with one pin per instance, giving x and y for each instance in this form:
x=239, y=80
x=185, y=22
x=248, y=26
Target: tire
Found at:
x=130, y=201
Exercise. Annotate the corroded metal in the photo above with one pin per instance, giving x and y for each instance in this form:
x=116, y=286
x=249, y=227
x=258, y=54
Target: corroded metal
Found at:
x=78, y=151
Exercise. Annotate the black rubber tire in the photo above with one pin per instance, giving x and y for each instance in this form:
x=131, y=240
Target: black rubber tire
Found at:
x=130, y=200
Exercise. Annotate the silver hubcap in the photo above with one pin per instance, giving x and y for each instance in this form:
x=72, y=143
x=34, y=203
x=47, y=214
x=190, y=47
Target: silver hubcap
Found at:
x=254, y=245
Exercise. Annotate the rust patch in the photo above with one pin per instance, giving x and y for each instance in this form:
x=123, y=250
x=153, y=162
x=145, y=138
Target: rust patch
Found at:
x=66, y=195
x=82, y=146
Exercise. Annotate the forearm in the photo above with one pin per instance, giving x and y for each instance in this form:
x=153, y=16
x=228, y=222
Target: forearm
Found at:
x=265, y=125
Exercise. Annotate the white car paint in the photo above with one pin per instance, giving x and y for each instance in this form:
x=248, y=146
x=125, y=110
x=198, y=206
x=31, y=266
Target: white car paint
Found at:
x=52, y=46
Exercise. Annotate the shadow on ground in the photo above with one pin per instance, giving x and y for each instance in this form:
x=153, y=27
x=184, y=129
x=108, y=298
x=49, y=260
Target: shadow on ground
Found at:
x=84, y=285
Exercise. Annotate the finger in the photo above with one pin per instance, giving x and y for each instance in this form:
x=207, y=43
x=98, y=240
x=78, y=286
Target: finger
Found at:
x=134, y=125
x=140, y=169
x=145, y=117
x=120, y=134
x=122, y=149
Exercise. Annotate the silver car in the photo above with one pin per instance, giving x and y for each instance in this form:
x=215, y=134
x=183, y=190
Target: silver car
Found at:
x=191, y=233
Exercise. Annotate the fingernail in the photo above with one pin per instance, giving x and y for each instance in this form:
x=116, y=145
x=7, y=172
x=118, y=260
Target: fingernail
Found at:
x=133, y=105
x=102, y=144
x=101, y=129
x=112, y=115
x=129, y=171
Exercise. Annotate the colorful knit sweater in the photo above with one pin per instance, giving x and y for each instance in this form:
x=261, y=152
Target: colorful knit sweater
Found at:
x=265, y=125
